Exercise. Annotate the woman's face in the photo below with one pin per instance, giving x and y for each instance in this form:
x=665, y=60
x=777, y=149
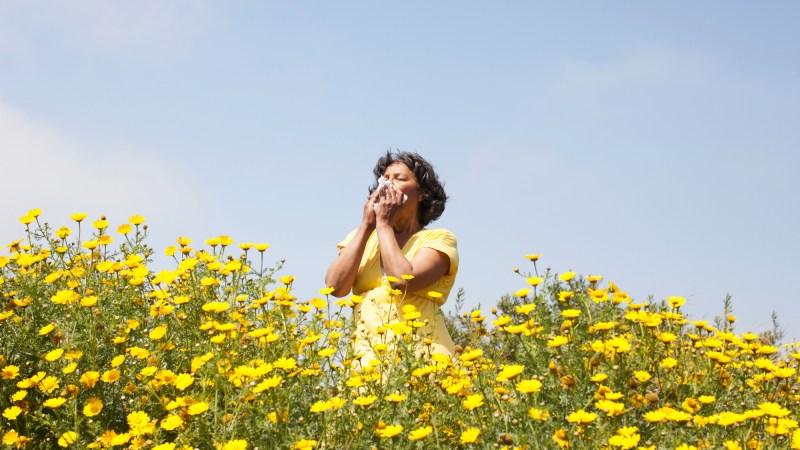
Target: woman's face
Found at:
x=403, y=179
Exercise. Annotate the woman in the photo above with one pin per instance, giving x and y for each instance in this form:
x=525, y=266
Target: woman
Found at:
x=391, y=243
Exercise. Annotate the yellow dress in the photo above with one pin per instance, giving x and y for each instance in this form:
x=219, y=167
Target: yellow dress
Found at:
x=380, y=309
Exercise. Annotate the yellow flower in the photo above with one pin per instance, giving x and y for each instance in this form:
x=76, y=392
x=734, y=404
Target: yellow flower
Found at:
x=611, y=408
x=158, y=332
x=570, y=313
x=676, y=302
x=598, y=378
x=471, y=355
x=64, y=296
x=91, y=245
x=304, y=444
x=706, y=399
x=390, y=431
x=49, y=384
x=119, y=439
x=669, y=363
x=566, y=276
x=594, y=278
x=215, y=307
x=171, y=422
x=183, y=381
x=164, y=446
x=110, y=376
x=534, y=281
x=118, y=361
x=9, y=372
x=12, y=412
x=642, y=376
x=526, y=308
x=420, y=433
x=100, y=224
x=773, y=409
x=434, y=295
x=27, y=219
x=470, y=435
x=326, y=290
x=581, y=416
x=522, y=292
x=529, y=386
x=560, y=438
x=565, y=295
x=262, y=247
x=533, y=256
x=198, y=408
x=538, y=414
x=11, y=437
x=92, y=407
x=89, y=379
x=268, y=383
x=625, y=438
x=89, y=301
x=136, y=219
x=510, y=371
x=183, y=241
x=235, y=444
x=67, y=439
x=557, y=341
x=365, y=400
x=35, y=212
x=54, y=355
x=124, y=228
x=395, y=398
x=796, y=439
x=321, y=406
x=54, y=402
x=318, y=303
x=667, y=337
x=472, y=402
x=286, y=279
x=139, y=422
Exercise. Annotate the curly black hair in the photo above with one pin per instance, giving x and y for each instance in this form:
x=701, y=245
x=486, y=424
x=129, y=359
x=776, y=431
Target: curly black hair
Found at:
x=433, y=198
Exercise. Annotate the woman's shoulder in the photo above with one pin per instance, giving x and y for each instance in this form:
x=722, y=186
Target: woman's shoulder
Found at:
x=344, y=242
x=437, y=232
x=442, y=235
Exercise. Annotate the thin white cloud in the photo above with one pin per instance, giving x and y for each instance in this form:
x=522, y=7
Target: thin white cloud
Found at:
x=156, y=26
x=646, y=65
x=43, y=167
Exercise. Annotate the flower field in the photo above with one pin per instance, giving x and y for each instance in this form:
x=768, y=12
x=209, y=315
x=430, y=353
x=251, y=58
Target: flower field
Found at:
x=99, y=351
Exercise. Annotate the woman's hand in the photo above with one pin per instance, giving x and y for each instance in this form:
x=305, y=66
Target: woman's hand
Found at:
x=390, y=201
x=369, y=209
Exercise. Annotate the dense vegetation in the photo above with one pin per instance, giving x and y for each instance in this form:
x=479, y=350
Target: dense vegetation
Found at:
x=98, y=351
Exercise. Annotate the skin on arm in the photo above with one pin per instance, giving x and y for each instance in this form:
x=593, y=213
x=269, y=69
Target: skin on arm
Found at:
x=427, y=266
x=342, y=272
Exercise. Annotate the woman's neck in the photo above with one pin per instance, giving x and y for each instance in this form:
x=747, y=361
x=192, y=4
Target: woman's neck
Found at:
x=406, y=225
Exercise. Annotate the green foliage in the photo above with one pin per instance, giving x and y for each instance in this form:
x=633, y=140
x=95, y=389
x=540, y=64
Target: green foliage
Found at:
x=215, y=353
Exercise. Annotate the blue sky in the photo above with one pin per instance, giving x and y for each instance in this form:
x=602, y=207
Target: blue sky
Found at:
x=655, y=144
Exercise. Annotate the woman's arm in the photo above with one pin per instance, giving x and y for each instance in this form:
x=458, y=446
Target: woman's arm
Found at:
x=427, y=266
x=342, y=272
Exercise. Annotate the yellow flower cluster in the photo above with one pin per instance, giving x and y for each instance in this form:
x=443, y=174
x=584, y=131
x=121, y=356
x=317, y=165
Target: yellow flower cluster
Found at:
x=100, y=350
